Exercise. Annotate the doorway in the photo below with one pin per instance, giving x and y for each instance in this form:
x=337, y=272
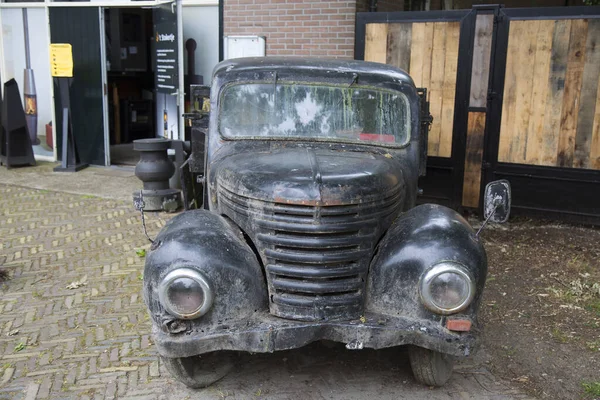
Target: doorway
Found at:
x=120, y=91
x=130, y=81
x=142, y=77
x=79, y=26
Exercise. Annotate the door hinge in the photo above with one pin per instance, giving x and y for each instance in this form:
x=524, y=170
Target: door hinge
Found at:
x=485, y=165
x=491, y=95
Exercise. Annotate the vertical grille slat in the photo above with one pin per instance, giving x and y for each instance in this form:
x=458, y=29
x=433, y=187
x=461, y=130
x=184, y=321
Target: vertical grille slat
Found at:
x=316, y=257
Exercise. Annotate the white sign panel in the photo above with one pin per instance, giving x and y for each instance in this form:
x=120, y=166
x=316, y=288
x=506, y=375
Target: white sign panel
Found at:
x=244, y=46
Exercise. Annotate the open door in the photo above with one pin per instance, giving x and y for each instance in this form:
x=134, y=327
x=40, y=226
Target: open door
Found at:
x=80, y=27
x=143, y=73
x=168, y=70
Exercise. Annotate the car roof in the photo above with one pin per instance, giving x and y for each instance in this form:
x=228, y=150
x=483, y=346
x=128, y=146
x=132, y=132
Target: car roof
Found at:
x=313, y=64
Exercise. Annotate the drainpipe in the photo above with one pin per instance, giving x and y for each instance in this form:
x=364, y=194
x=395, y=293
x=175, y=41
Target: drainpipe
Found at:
x=373, y=6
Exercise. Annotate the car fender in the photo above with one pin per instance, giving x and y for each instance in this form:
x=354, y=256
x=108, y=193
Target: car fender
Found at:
x=215, y=247
x=419, y=239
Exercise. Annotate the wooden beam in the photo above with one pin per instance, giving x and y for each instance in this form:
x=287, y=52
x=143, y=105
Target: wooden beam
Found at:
x=556, y=87
x=398, y=45
x=376, y=43
x=449, y=89
x=473, y=159
x=571, y=98
x=539, y=96
x=587, y=103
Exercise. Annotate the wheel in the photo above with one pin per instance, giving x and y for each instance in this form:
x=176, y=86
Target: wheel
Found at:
x=200, y=371
x=430, y=367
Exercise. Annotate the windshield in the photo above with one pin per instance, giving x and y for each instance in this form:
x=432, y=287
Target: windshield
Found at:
x=338, y=113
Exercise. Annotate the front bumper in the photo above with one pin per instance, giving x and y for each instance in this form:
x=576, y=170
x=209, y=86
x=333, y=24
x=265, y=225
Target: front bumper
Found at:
x=266, y=333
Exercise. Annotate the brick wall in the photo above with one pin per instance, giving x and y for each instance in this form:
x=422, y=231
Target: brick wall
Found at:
x=295, y=27
x=316, y=28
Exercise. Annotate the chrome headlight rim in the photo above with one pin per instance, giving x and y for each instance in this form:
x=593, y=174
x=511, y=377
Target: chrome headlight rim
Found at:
x=186, y=272
x=437, y=270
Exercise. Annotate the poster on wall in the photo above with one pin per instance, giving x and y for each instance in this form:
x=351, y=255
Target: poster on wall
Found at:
x=165, y=64
x=165, y=57
x=167, y=116
x=25, y=41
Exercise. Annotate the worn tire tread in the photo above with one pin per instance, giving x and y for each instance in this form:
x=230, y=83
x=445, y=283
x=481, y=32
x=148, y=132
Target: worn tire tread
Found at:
x=426, y=369
x=217, y=365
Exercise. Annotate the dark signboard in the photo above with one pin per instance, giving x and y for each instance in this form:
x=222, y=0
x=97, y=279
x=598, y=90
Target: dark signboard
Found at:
x=165, y=57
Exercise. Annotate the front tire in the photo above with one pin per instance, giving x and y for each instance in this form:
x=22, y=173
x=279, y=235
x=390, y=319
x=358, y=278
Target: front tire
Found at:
x=202, y=370
x=430, y=367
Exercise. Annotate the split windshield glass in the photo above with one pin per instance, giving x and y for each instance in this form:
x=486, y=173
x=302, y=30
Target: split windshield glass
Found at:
x=336, y=113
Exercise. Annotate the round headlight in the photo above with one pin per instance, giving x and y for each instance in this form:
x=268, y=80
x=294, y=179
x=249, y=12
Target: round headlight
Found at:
x=185, y=293
x=447, y=288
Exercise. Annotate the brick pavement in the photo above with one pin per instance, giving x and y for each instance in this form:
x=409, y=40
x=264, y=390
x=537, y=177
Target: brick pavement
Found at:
x=87, y=342
x=92, y=341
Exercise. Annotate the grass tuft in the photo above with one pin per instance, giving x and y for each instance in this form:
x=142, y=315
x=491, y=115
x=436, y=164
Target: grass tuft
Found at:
x=559, y=335
x=591, y=388
x=20, y=346
x=593, y=306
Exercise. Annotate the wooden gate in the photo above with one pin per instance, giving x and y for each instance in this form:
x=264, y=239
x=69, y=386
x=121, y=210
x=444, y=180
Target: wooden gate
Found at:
x=544, y=113
x=513, y=94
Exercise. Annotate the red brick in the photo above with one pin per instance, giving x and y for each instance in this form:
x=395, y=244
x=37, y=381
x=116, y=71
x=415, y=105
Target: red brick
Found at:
x=296, y=27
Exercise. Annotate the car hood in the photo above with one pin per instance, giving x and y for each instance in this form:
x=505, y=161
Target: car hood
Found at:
x=304, y=176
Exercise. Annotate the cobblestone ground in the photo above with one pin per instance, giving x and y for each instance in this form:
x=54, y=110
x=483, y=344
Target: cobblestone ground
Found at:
x=77, y=342
x=73, y=323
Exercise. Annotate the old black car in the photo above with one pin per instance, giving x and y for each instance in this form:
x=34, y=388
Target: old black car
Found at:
x=308, y=229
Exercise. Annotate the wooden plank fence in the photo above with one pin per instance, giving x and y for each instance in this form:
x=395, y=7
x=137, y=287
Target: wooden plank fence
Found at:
x=551, y=103
x=551, y=106
x=428, y=51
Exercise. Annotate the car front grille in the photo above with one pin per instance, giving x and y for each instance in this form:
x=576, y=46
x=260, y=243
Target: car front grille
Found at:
x=316, y=257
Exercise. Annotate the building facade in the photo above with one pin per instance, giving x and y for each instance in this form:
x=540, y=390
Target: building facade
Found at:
x=115, y=93
x=313, y=28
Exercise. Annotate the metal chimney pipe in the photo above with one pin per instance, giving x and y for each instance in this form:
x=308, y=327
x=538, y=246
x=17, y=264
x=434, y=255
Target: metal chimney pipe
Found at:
x=190, y=46
x=29, y=92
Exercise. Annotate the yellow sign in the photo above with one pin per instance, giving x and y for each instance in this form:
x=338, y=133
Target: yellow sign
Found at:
x=61, y=60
